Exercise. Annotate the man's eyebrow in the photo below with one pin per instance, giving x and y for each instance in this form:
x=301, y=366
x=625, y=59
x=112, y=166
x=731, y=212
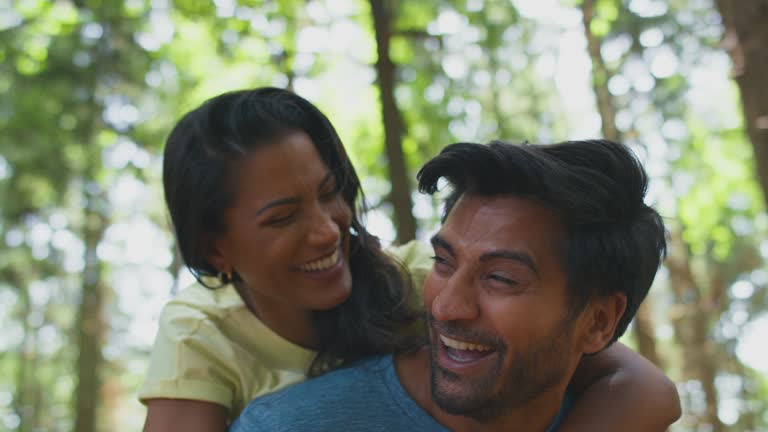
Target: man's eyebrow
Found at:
x=439, y=241
x=521, y=257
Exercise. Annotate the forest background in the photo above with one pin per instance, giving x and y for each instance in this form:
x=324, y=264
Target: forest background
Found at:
x=90, y=89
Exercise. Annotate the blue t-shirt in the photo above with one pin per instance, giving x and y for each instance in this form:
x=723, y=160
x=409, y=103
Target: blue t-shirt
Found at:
x=364, y=397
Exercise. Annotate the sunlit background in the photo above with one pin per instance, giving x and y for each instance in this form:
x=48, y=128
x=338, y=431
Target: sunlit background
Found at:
x=91, y=88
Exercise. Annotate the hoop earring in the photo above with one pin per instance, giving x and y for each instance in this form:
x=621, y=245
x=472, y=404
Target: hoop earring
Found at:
x=225, y=277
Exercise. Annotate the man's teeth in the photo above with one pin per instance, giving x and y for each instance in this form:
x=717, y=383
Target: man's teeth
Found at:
x=321, y=264
x=452, y=343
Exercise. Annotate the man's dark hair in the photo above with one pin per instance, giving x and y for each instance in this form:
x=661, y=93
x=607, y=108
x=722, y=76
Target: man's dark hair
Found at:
x=615, y=242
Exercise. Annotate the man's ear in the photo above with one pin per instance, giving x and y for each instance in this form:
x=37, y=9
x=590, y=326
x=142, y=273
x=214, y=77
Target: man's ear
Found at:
x=602, y=315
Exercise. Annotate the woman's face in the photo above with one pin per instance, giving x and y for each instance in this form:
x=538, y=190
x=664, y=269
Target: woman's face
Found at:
x=287, y=234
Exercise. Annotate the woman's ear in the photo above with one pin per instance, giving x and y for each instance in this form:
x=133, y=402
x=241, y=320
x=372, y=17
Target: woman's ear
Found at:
x=216, y=253
x=602, y=315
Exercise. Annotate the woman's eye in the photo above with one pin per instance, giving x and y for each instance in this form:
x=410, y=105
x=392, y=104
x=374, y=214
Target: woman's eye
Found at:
x=330, y=194
x=279, y=220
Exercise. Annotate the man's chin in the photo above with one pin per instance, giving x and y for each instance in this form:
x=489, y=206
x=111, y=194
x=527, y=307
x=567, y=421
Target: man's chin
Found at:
x=454, y=395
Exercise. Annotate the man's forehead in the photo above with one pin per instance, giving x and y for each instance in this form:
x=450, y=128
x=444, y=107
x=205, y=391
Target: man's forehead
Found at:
x=499, y=219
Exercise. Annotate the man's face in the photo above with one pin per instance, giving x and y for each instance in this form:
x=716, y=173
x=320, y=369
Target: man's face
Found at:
x=499, y=317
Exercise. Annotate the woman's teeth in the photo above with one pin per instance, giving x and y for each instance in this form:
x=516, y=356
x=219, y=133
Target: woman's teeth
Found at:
x=452, y=343
x=321, y=264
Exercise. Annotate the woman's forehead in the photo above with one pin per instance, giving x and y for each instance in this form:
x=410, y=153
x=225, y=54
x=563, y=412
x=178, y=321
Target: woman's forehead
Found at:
x=287, y=163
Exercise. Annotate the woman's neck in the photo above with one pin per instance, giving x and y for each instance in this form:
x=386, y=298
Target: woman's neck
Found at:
x=291, y=323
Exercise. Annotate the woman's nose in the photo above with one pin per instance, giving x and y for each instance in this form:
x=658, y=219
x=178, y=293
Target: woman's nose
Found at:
x=323, y=230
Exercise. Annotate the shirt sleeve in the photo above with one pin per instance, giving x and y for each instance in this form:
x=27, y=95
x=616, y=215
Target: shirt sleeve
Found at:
x=191, y=359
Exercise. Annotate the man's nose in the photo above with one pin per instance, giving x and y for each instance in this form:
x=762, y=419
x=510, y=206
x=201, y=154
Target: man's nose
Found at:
x=457, y=300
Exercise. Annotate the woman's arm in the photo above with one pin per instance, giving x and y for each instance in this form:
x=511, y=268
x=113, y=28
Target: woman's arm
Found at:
x=184, y=415
x=618, y=389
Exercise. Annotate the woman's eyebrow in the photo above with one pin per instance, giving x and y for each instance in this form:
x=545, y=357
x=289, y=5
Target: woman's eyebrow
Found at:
x=276, y=203
x=291, y=200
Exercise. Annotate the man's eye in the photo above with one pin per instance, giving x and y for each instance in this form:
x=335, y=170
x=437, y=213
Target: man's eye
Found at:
x=499, y=278
x=438, y=259
x=441, y=263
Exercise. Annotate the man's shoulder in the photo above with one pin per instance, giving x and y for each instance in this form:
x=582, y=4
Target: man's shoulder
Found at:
x=366, y=396
x=333, y=387
x=322, y=400
x=369, y=374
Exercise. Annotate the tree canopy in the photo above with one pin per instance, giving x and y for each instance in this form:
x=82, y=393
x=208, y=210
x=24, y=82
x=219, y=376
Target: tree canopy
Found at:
x=91, y=88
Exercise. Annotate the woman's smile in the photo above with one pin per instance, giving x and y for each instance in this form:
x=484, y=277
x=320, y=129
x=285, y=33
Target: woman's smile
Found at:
x=322, y=264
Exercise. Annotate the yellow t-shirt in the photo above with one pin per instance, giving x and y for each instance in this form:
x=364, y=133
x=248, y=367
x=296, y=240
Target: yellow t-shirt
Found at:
x=210, y=347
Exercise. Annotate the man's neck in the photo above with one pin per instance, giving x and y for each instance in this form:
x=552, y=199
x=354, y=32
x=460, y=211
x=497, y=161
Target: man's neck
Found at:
x=413, y=371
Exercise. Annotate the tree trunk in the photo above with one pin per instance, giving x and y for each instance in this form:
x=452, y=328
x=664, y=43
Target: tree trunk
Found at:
x=691, y=321
x=285, y=59
x=600, y=75
x=643, y=327
x=502, y=129
x=746, y=39
x=400, y=195
x=491, y=43
x=90, y=321
x=644, y=333
x=23, y=403
x=174, y=269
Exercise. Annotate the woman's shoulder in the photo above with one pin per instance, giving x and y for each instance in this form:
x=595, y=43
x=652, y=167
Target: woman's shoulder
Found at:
x=414, y=253
x=196, y=299
x=416, y=257
x=221, y=316
x=198, y=311
x=191, y=357
x=210, y=347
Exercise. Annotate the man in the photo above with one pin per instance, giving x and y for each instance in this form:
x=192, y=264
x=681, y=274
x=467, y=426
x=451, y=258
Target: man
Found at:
x=544, y=255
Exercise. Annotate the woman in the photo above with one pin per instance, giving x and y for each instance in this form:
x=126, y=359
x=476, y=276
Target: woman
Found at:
x=263, y=200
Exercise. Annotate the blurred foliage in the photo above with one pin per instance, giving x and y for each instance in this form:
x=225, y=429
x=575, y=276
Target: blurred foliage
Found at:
x=91, y=87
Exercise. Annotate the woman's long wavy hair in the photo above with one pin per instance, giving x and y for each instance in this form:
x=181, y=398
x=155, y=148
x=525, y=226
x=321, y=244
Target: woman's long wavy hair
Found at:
x=200, y=157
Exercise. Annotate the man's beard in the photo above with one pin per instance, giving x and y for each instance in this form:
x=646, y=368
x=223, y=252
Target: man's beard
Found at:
x=532, y=371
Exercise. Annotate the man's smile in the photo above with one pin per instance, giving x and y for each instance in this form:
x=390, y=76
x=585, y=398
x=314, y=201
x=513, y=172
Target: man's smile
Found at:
x=464, y=346
x=461, y=356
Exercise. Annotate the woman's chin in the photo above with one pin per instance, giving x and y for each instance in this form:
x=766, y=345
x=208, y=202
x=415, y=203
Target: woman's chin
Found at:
x=335, y=299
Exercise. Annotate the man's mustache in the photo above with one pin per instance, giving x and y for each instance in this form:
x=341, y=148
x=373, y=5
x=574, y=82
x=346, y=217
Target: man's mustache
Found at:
x=455, y=330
